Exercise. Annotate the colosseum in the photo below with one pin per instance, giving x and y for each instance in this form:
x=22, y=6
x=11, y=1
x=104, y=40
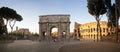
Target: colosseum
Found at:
x=89, y=30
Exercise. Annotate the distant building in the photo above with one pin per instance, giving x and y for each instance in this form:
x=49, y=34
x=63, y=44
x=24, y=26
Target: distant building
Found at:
x=24, y=31
x=21, y=33
x=89, y=30
x=76, y=30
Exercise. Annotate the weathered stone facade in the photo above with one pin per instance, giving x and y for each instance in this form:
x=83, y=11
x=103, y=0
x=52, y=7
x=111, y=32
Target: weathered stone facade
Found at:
x=47, y=22
x=77, y=30
x=89, y=30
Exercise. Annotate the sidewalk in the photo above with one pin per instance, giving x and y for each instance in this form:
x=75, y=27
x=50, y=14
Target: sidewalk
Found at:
x=91, y=47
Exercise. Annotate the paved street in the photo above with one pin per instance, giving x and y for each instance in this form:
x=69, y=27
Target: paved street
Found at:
x=65, y=46
x=34, y=46
x=30, y=46
x=91, y=47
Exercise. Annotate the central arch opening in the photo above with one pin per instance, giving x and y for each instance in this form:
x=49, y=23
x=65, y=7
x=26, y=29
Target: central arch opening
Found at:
x=54, y=32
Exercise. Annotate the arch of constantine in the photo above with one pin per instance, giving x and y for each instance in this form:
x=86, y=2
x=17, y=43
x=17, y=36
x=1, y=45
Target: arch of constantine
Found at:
x=47, y=22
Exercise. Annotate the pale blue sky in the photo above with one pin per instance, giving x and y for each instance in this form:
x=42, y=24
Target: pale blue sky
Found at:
x=30, y=10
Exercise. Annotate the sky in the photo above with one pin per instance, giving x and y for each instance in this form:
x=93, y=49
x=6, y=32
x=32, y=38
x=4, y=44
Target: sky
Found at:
x=30, y=10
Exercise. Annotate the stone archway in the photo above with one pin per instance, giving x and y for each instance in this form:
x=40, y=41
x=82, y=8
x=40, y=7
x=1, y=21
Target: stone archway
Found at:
x=46, y=22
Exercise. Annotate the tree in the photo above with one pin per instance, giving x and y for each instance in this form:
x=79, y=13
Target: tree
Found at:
x=117, y=15
x=111, y=16
x=9, y=15
x=1, y=26
x=6, y=13
x=96, y=8
x=17, y=17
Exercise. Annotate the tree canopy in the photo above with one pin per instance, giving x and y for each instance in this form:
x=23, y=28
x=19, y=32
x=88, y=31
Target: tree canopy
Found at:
x=96, y=7
x=7, y=13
